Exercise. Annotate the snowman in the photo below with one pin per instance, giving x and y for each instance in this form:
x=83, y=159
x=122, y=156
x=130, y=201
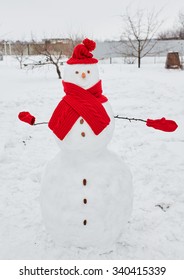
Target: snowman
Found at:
x=86, y=195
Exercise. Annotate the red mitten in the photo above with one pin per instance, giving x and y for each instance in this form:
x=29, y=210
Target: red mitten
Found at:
x=162, y=124
x=26, y=117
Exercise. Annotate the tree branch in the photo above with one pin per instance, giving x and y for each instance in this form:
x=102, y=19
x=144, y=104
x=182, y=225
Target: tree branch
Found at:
x=129, y=119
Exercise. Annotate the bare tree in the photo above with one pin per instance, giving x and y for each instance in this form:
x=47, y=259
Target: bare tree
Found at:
x=140, y=29
x=176, y=32
x=51, y=54
x=181, y=25
x=52, y=51
x=20, y=51
x=181, y=19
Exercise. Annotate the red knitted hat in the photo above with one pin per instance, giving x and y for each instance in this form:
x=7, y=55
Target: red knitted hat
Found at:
x=82, y=53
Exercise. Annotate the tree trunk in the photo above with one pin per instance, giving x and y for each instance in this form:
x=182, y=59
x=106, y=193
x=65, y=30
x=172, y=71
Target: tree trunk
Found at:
x=20, y=62
x=58, y=71
x=139, y=61
x=139, y=54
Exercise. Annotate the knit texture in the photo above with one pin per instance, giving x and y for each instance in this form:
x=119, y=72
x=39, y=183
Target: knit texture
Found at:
x=162, y=124
x=82, y=53
x=26, y=117
x=79, y=102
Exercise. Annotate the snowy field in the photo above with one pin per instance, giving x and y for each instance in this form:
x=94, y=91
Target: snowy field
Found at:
x=156, y=160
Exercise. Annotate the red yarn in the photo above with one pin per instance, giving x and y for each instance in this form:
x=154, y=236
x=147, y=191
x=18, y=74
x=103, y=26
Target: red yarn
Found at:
x=79, y=102
x=26, y=117
x=81, y=53
x=162, y=124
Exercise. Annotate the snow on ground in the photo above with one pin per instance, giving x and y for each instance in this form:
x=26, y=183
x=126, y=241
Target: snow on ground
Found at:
x=155, y=158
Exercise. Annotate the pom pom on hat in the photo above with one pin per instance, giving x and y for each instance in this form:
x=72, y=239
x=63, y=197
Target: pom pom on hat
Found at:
x=82, y=53
x=89, y=44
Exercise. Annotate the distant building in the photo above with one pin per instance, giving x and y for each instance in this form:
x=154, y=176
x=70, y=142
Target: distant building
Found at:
x=58, y=40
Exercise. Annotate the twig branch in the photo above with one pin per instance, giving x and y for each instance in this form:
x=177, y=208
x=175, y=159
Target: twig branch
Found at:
x=129, y=119
x=116, y=117
x=40, y=123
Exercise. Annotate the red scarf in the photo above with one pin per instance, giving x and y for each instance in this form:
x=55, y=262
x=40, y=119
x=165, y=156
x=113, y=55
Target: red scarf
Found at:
x=79, y=102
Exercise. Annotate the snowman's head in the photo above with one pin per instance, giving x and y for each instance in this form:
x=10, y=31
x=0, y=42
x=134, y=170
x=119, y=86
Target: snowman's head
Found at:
x=81, y=69
x=83, y=75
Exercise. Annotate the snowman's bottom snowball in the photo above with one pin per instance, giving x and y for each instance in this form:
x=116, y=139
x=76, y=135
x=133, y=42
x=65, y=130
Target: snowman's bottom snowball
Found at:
x=86, y=202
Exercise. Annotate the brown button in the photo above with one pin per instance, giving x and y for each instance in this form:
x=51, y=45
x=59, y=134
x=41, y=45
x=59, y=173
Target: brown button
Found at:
x=83, y=134
x=85, y=201
x=84, y=182
x=81, y=121
x=85, y=222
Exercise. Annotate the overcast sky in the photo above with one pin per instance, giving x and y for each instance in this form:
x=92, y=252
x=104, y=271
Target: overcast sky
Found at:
x=98, y=19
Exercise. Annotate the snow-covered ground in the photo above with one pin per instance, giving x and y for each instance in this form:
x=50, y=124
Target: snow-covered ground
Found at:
x=156, y=159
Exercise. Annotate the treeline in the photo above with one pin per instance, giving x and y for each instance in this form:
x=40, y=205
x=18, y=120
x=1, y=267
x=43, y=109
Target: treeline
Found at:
x=175, y=33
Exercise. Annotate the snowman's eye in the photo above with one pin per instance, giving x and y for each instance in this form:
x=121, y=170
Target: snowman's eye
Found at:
x=88, y=71
x=76, y=72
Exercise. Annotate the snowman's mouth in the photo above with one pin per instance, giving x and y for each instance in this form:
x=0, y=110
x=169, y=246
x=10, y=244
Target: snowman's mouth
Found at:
x=84, y=83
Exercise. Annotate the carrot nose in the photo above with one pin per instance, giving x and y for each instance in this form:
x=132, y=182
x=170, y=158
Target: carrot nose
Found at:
x=83, y=75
